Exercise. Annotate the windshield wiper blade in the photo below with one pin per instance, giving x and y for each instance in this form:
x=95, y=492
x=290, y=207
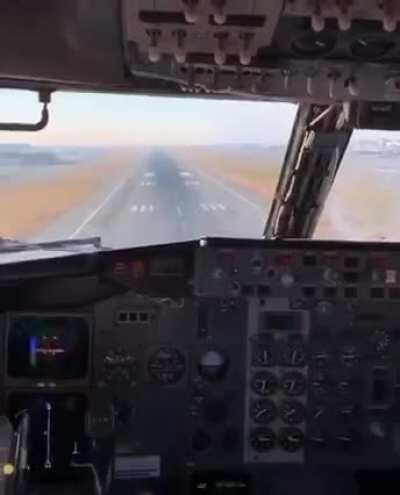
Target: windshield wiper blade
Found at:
x=12, y=246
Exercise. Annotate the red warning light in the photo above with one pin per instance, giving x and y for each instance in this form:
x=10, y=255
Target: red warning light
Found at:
x=137, y=268
x=284, y=259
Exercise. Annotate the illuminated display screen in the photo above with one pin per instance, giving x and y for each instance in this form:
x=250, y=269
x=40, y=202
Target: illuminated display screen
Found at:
x=48, y=347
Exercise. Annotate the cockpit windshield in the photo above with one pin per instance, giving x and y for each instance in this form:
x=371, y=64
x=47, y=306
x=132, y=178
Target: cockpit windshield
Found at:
x=364, y=204
x=138, y=170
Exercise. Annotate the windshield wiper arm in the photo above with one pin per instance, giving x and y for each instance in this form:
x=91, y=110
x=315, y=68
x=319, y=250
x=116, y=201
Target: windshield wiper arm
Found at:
x=11, y=246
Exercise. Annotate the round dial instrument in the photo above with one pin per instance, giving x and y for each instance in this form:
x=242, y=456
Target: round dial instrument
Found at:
x=264, y=383
x=348, y=438
x=349, y=356
x=166, y=366
x=291, y=439
x=317, y=437
x=321, y=384
x=262, y=439
x=120, y=368
x=263, y=411
x=292, y=412
x=262, y=355
x=321, y=358
x=293, y=383
x=293, y=355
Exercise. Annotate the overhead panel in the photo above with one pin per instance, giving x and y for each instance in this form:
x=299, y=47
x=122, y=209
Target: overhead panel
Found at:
x=210, y=45
x=310, y=50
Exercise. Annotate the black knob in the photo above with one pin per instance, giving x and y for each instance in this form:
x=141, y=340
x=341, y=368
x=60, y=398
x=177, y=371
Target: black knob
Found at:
x=201, y=441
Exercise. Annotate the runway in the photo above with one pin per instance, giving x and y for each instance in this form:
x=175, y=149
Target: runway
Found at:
x=159, y=201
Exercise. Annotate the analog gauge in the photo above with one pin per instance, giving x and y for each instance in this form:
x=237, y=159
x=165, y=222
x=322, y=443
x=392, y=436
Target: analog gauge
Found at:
x=348, y=386
x=120, y=368
x=318, y=413
x=381, y=341
x=166, y=366
x=293, y=383
x=347, y=411
x=293, y=355
x=291, y=439
x=348, y=439
x=321, y=358
x=321, y=385
x=349, y=356
x=291, y=412
x=317, y=438
x=262, y=439
x=262, y=355
x=263, y=411
x=213, y=365
x=264, y=383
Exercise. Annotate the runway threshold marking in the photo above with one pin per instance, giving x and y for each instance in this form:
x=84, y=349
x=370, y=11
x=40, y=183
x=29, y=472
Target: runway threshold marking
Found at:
x=142, y=208
x=233, y=192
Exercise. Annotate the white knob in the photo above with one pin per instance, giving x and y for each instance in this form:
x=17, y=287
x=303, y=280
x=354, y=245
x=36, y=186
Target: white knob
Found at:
x=180, y=56
x=245, y=57
x=154, y=54
x=344, y=21
x=220, y=57
x=317, y=22
x=287, y=280
x=219, y=18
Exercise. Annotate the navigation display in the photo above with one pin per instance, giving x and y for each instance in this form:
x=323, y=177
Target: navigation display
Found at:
x=48, y=347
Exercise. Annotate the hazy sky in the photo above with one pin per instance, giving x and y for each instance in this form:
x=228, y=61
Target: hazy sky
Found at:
x=115, y=119
x=91, y=119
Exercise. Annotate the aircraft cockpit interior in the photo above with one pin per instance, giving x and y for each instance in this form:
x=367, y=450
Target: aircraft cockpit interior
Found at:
x=211, y=365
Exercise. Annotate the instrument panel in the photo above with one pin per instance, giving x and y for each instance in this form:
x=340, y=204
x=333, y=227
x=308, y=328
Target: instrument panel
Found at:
x=322, y=350
x=233, y=356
